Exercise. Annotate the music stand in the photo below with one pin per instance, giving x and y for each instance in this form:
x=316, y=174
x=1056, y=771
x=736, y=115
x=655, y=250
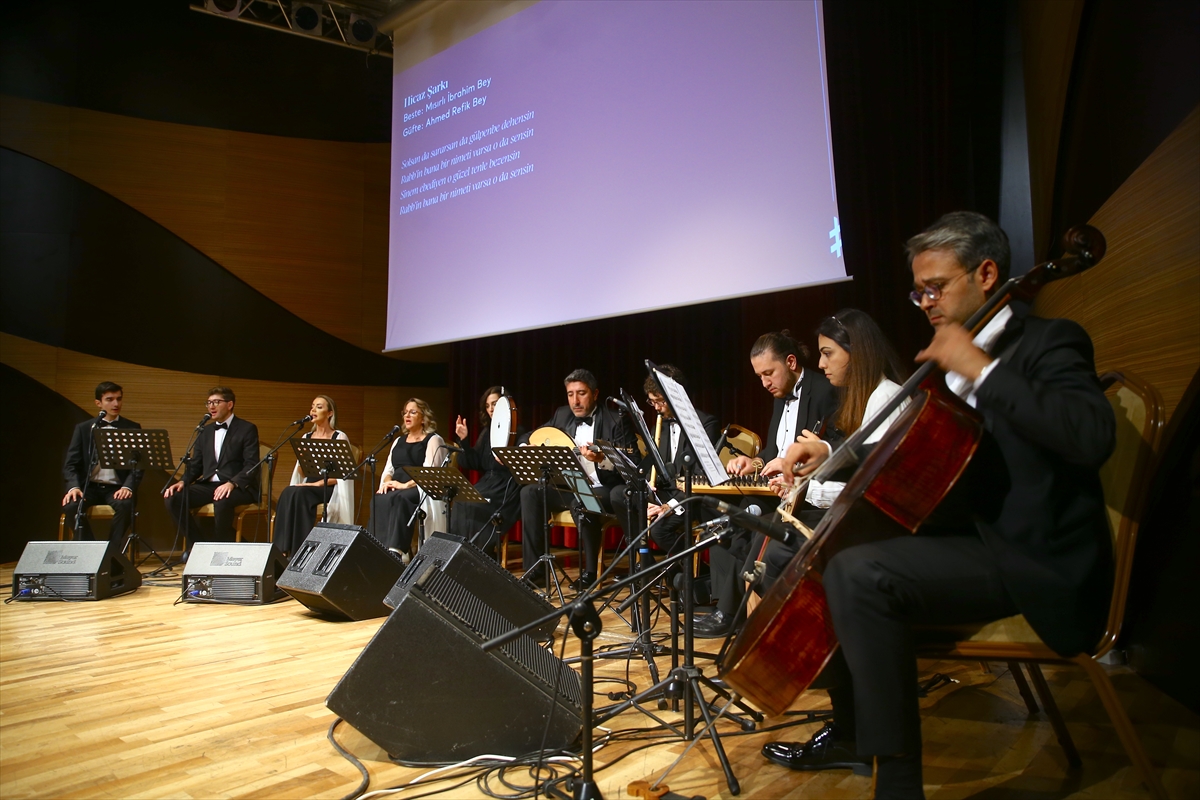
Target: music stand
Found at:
x=322, y=459
x=137, y=449
x=540, y=465
x=447, y=483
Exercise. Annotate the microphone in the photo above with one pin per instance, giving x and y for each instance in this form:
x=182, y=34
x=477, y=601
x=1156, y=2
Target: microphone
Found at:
x=204, y=421
x=713, y=524
x=392, y=434
x=723, y=440
x=304, y=419
x=619, y=403
x=748, y=519
x=99, y=419
x=452, y=448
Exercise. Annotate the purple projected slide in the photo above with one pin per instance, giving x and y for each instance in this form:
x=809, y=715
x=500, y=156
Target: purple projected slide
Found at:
x=588, y=159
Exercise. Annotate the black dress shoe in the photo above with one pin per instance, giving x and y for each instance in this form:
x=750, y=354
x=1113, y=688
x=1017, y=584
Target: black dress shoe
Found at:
x=715, y=626
x=823, y=751
x=585, y=580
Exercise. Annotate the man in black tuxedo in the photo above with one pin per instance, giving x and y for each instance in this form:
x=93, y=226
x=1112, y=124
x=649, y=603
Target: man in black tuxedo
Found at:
x=585, y=421
x=803, y=398
x=87, y=484
x=674, y=447
x=1024, y=532
x=218, y=472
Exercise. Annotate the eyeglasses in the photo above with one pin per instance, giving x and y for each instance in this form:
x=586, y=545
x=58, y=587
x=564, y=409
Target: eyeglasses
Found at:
x=932, y=290
x=214, y=402
x=660, y=402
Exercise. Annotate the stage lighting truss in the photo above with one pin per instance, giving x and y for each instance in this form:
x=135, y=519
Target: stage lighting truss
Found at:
x=349, y=24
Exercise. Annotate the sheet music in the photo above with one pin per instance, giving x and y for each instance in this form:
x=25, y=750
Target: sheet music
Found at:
x=685, y=412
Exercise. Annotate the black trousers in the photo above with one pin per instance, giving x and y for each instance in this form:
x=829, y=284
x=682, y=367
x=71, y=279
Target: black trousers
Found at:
x=876, y=592
x=473, y=521
x=296, y=513
x=534, y=524
x=100, y=494
x=201, y=494
x=390, y=514
x=667, y=534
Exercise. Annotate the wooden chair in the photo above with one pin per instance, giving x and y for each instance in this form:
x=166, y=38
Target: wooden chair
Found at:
x=1125, y=477
x=94, y=512
x=743, y=439
x=564, y=519
x=242, y=513
x=321, y=506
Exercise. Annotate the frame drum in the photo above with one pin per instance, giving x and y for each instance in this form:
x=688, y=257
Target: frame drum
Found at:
x=504, y=422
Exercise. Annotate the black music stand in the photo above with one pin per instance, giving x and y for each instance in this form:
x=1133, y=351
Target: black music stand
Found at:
x=138, y=449
x=322, y=459
x=541, y=465
x=447, y=484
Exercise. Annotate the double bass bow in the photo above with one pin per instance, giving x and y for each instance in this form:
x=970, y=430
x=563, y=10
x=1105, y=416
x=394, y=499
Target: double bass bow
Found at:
x=789, y=637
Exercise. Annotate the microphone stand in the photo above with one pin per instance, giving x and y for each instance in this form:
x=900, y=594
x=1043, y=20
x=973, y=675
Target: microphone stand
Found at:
x=93, y=456
x=369, y=459
x=185, y=463
x=269, y=460
x=585, y=621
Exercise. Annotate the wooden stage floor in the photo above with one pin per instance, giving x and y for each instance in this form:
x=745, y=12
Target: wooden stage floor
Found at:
x=135, y=697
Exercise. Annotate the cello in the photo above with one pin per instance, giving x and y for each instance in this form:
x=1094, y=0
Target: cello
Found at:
x=789, y=637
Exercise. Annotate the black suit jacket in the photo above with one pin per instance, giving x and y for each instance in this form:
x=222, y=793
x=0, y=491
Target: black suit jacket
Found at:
x=1038, y=503
x=666, y=483
x=494, y=477
x=79, y=455
x=238, y=454
x=609, y=425
x=818, y=401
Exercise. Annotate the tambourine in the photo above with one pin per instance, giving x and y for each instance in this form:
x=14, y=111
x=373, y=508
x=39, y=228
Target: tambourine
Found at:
x=504, y=422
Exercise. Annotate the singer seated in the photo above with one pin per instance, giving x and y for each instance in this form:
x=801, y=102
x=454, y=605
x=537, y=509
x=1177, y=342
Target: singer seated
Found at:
x=297, y=507
x=398, y=496
x=219, y=471
x=675, y=449
x=485, y=523
x=87, y=484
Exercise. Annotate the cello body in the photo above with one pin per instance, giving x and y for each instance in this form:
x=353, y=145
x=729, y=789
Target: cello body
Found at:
x=789, y=637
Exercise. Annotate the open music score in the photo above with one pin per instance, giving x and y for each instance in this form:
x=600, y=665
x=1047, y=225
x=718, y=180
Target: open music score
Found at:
x=740, y=485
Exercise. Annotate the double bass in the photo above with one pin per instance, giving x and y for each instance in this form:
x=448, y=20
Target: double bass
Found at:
x=789, y=637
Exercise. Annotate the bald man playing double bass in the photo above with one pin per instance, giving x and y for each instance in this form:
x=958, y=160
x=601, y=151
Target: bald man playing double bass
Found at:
x=1023, y=532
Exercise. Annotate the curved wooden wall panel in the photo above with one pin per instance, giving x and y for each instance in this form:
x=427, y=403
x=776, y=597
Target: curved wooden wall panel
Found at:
x=1141, y=304
x=159, y=398
x=297, y=219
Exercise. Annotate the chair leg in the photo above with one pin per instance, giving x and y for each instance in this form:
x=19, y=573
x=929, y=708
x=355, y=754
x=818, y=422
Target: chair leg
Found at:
x=1023, y=686
x=1120, y=720
x=1056, y=720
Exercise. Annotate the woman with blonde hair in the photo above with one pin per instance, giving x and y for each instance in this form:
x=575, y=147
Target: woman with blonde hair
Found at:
x=398, y=495
x=297, y=508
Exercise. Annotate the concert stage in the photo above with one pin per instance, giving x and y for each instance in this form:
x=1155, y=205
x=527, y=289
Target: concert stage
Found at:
x=136, y=697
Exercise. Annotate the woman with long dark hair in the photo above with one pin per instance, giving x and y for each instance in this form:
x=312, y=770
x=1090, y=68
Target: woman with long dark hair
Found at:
x=485, y=523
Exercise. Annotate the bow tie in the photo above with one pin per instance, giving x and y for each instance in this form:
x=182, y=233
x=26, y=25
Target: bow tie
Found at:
x=584, y=421
x=670, y=421
x=221, y=426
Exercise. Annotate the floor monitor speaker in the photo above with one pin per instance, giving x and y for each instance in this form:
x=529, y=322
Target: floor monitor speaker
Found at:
x=243, y=573
x=425, y=691
x=73, y=571
x=513, y=599
x=342, y=571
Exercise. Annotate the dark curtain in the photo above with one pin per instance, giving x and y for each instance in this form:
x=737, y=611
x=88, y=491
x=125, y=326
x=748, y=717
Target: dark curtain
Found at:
x=915, y=110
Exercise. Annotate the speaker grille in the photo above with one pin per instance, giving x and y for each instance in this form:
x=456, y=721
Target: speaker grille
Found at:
x=71, y=585
x=235, y=587
x=523, y=652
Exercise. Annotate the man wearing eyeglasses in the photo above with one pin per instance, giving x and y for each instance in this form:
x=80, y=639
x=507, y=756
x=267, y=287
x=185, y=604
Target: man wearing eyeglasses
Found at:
x=1023, y=532
x=218, y=472
x=676, y=450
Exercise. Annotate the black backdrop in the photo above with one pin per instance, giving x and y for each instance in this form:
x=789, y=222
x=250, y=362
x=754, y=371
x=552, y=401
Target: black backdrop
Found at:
x=915, y=113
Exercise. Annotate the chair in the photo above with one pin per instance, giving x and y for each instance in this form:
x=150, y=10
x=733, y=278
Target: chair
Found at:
x=93, y=512
x=357, y=452
x=258, y=509
x=563, y=519
x=743, y=439
x=1125, y=478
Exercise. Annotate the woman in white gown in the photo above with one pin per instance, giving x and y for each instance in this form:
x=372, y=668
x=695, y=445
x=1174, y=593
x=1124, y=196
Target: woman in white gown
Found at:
x=296, y=511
